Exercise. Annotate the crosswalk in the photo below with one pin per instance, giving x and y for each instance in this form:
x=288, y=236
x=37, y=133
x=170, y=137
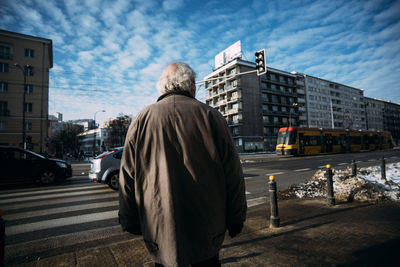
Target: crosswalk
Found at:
x=43, y=222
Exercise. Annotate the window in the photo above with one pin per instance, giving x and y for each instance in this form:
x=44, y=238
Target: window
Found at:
x=281, y=79
x=29, y=88
x=264, y=97
x=273, y=86
x=3, y=67
x=5, y=52
x=264, y=86
x=28, y=70
x=282, y=88
x=265, y=119
x=28, y=107
x=276, y=120
x=28, y=126
x=29, y=52
x=3, y=125
x=275, y=99
x=235, y=130
x=265, y=107
x=274, y=109
x=3, y=87
x=272, y=77
x=284, y=110
x=3, y=108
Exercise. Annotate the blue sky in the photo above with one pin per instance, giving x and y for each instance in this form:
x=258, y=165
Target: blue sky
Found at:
x=109, y=54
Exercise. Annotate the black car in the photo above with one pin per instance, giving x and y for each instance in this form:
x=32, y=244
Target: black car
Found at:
x=19, y=165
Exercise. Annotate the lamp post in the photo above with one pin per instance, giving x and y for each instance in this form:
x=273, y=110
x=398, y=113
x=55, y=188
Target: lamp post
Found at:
x=290, y=114
x=24, y=70
x=94, y=130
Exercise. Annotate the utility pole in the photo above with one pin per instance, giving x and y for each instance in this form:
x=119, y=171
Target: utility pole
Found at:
x=24, y=70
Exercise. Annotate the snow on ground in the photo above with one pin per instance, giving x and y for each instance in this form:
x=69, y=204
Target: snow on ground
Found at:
x=367, y=186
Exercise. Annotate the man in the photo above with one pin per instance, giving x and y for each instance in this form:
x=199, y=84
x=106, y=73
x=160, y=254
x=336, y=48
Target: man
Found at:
x=181, y=182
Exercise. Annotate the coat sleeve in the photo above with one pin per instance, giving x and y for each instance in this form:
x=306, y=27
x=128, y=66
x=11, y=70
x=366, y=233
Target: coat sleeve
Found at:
x=128, y=210
x=235, y=185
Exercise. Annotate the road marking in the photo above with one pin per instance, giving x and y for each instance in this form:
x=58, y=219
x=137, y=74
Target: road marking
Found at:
x=274, y=173
x=60, y=201
x=322, y=166
x=302, y=170
x=72, y=189
x=249, y=177
x=343, y=163
x=40, y=197
x=30, y=227
x=372, y=160
x=35, y=213
x=248, y=193
x=256, y=201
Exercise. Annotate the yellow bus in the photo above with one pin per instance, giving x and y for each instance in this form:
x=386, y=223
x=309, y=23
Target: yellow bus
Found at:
x=312, y=141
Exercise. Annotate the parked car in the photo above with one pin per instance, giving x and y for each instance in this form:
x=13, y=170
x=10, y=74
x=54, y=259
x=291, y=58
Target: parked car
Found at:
x=20, y=165
x=105, y=168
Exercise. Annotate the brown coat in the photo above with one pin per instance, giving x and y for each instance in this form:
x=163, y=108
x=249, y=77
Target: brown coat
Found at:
x=180, y=180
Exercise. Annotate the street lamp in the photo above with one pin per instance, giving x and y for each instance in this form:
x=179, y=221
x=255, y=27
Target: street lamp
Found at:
x=24, y=70
x=290, y=115
x=94, y=130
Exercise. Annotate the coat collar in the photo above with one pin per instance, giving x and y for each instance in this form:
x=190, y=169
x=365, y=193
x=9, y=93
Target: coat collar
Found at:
x=185, y=93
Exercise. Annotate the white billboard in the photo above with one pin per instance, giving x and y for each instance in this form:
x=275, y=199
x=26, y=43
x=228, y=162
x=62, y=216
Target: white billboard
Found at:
x=232, y=52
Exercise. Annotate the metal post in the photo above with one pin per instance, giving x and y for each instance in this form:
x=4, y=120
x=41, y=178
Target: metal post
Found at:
x=353, y=168
x=2, y=238
x=383, y=168
x=274, y=218
x=329, y=178
x=24, y=70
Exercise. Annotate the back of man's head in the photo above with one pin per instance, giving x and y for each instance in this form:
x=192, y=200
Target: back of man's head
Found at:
x=177, y=76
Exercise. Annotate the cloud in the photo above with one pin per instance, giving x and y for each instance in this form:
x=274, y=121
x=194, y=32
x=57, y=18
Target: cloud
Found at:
x=172, y=4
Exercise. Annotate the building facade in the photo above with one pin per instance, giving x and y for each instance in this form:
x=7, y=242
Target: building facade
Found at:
x=329, y=104
x=25, y=62
x=374, y=109
x=391, y=120
x=254, y=107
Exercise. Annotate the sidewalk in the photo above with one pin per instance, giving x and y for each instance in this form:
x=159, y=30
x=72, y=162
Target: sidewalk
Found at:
x=311, y=234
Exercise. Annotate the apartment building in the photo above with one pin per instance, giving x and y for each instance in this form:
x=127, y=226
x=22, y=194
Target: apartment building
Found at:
x=280, y=104
x=24, y=89
x=391, y=120
x=254, y=107
x=374, y=109
x=329, y=104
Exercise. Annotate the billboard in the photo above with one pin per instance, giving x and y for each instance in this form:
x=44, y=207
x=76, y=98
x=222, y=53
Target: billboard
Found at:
x=232, y=52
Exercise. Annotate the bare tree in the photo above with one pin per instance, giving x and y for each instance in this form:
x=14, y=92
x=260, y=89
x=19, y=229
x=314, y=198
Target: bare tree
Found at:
x=66, y=140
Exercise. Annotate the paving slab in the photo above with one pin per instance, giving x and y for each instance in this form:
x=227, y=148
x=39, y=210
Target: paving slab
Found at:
x=312, y=233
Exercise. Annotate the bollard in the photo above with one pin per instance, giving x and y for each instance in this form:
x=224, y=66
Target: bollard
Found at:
x=2, y=238
x=329, y=178
x=353, y=168
x=274, y=219
x=383, y=168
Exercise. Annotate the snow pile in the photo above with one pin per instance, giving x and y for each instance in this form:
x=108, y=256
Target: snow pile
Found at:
x=367, y=186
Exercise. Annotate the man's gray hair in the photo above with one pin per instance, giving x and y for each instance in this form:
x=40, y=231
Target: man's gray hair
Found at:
x=177, y=76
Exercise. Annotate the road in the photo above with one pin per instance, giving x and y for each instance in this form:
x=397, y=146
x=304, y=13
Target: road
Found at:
x=78, y=214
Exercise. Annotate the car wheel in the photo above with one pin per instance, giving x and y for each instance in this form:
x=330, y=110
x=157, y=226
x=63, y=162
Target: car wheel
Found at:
x=47, y=177
x=113, y=182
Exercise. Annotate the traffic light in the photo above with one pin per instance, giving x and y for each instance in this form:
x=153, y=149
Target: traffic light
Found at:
x=261, y=62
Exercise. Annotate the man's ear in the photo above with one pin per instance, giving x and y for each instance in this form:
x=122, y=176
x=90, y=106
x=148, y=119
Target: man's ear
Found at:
x=193, y=91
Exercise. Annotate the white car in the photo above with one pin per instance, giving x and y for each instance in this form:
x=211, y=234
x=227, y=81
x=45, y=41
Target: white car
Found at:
x=105, y=168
